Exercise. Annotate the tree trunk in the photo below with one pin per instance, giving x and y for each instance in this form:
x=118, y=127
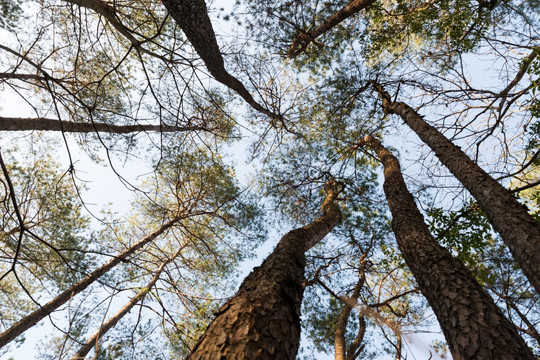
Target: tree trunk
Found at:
x=474, y=327
x=192, y=17
x=340, y=345
x=357, y=345
x=303, y=39
x=44, y=124
x=43, y=311
x=262, y=321
x=520, y=232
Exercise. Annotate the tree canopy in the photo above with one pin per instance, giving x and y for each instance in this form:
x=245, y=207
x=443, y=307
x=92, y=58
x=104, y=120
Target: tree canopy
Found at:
x=152, y=153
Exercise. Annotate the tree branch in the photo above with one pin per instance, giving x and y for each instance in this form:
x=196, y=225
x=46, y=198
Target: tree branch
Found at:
x=303, y=39
x=192, y=17
x=112, y=321
x=37, y=315
x=45, y=124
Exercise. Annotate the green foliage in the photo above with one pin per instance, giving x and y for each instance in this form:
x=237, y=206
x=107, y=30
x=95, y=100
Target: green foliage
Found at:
x=10, y=11
x=467, y=233
x=53, y=250
x=321, y=324
x=199, y=181
x=442, y=23
x=534, y=71
x=220, y=224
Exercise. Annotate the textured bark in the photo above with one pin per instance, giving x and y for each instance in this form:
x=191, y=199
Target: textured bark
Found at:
x=192, y=17
x=262, y=321
x=44, y=124
x=474, y=327
x=113, y=320
x=303, y=39
x=509, y=218
x=34, y=317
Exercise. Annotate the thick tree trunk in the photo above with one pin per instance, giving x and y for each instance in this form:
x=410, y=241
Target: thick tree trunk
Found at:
x=192, y=17
x=43, y=311
x=262, y=321
x=473, y=325
x=509, y=218
x=303, y=39
x=44, y=124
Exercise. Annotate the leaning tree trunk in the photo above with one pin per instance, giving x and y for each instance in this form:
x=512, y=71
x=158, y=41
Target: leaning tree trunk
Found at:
x=303, y=39
x=262, y=321
x=474, y=327
x=519, y=231
x=192, y=17
x=113, y=320
x=45, y=310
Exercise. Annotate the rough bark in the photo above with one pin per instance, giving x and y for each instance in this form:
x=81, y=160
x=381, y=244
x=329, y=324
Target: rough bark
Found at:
x=44, y=124
x=519, y=231
x=474, y=327
x=262, y=321
x=303, y=39
x=192, y=17
x=39, y=314
x=113, y=320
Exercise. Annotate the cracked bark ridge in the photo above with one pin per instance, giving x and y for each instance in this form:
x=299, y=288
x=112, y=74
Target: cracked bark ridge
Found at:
x=519, y=231
x=303, y=39
x=192, y=17
x=262, y=321
x=474, y=327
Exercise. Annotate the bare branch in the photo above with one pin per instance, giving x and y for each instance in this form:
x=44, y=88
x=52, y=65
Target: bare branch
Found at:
x=45, y=124
x=112, y=321
x=31, y=319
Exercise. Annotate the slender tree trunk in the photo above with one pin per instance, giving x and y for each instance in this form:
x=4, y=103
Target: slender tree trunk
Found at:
x=44, y=124
x=520, y=232
x=112, y=321
x=357, y=345
x=340, y=345
x=262, y=321
x=303, y=39
x=192, y=17
x=399, y=345
x=34, y=317
x=473, y=325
